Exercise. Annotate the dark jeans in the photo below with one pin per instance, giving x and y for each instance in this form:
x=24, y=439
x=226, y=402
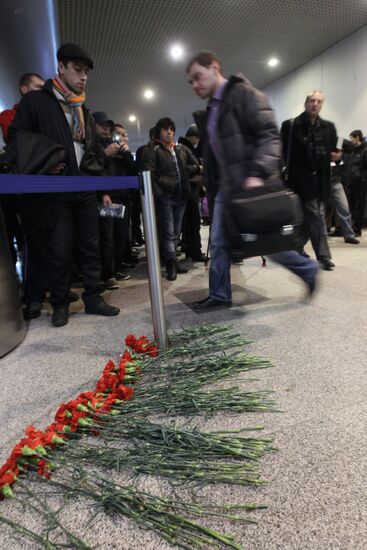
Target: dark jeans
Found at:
x=78, y=217
x=170, y=212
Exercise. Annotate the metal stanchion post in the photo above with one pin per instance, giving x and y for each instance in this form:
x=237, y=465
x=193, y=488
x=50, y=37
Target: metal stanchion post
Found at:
x=154, y=266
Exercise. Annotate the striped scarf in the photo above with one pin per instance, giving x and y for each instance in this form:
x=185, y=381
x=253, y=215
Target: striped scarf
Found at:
x=75, y=103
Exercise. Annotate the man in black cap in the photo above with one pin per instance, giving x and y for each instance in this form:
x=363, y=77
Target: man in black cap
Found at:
x=58, y=113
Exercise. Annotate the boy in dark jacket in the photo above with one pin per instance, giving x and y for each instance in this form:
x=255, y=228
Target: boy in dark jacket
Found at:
x=171, y=166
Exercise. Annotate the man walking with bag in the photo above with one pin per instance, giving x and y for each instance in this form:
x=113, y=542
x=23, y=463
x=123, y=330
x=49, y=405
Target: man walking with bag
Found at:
x=241, y=151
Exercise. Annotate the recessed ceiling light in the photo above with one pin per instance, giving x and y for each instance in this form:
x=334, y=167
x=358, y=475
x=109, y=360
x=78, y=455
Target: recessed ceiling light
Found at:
x=273, y=62
x=132, y=118
x=148, y=94
x=177, y=52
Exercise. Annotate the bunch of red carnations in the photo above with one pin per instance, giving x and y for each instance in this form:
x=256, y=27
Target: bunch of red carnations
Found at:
x=115, y=386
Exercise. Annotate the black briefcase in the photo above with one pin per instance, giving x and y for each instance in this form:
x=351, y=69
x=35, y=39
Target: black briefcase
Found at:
x=263, y=221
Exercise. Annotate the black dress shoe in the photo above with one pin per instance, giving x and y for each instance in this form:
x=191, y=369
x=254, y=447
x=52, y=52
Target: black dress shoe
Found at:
x=351, y=240
x=60, y=316
x=101, y=308
x=326, y=264
x=32, y=310
x=210, y=303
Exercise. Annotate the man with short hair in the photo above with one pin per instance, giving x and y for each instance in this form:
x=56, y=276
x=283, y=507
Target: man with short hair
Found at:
x=58, y=113
x=241, y=151
x=311, y=141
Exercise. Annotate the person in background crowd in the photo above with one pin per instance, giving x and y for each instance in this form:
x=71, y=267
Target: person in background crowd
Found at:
x=57, y=115
x=171, y=166
x=356, y=180
x=339, y=201
x=16, y=219
x=191, y=224
x=104, y=128
x=241, y=151
x=124, y=165
x=311, y=144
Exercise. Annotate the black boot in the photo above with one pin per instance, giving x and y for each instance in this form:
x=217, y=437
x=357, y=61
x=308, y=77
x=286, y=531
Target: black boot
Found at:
x=171, y=270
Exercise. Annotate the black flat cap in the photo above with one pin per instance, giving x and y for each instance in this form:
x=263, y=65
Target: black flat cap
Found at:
x=73, y=52
x=101, y=118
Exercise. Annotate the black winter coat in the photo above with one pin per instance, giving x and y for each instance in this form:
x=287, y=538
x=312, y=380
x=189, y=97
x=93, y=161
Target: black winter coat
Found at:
x=356, y=167
x=304, y=179
x=248, y=135
x=196, y=180
x=40, y=112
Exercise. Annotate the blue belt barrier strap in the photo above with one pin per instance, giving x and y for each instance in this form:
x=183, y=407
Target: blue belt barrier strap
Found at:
x=14, y=183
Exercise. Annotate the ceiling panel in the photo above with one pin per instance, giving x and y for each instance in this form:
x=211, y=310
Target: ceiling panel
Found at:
x=129, y=42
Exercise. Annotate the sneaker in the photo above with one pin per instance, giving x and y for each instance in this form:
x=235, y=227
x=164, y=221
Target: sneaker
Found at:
x=111, y=284
x=101, y=308
x=351, y=240
x=123, y=276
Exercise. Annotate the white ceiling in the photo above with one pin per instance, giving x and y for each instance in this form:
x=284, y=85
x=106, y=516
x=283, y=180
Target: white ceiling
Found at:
x=129, y=41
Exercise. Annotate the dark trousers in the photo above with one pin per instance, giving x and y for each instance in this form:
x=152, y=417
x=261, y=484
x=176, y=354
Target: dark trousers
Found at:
x=191, y=229
x=78, y=216
x=314, y=228
x=114, y=236
x=357, y=202
x=35, y=264
x=122, y=237
x=11, y=213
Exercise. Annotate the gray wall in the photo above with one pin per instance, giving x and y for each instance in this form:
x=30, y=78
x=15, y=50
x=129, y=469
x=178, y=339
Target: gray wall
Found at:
x=28, y=43
x=341, y=72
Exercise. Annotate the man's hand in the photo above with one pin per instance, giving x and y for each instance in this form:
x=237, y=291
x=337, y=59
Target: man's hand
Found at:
x=112, y=150
x=106, y=200
x=124, y=147
x=252, y=183
x=335, y=156
x=58, y=168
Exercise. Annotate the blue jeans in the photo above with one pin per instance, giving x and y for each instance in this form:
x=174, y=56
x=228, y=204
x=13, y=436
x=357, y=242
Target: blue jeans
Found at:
x=314, y=228
x=339, y=200
x=220, y=263
x=170, y=213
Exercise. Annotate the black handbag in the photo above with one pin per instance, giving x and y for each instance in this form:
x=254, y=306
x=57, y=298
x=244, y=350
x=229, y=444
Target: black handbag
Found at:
x=263, y=220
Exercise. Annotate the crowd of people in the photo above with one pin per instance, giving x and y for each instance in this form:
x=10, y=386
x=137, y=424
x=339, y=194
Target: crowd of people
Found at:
x=234, y=144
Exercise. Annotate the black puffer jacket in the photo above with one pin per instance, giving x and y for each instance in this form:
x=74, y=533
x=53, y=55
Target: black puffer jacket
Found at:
x=160, y=162
x=248, y=134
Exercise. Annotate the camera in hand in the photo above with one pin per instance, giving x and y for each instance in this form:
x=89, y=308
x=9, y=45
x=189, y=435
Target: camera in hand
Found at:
x=116, y=138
